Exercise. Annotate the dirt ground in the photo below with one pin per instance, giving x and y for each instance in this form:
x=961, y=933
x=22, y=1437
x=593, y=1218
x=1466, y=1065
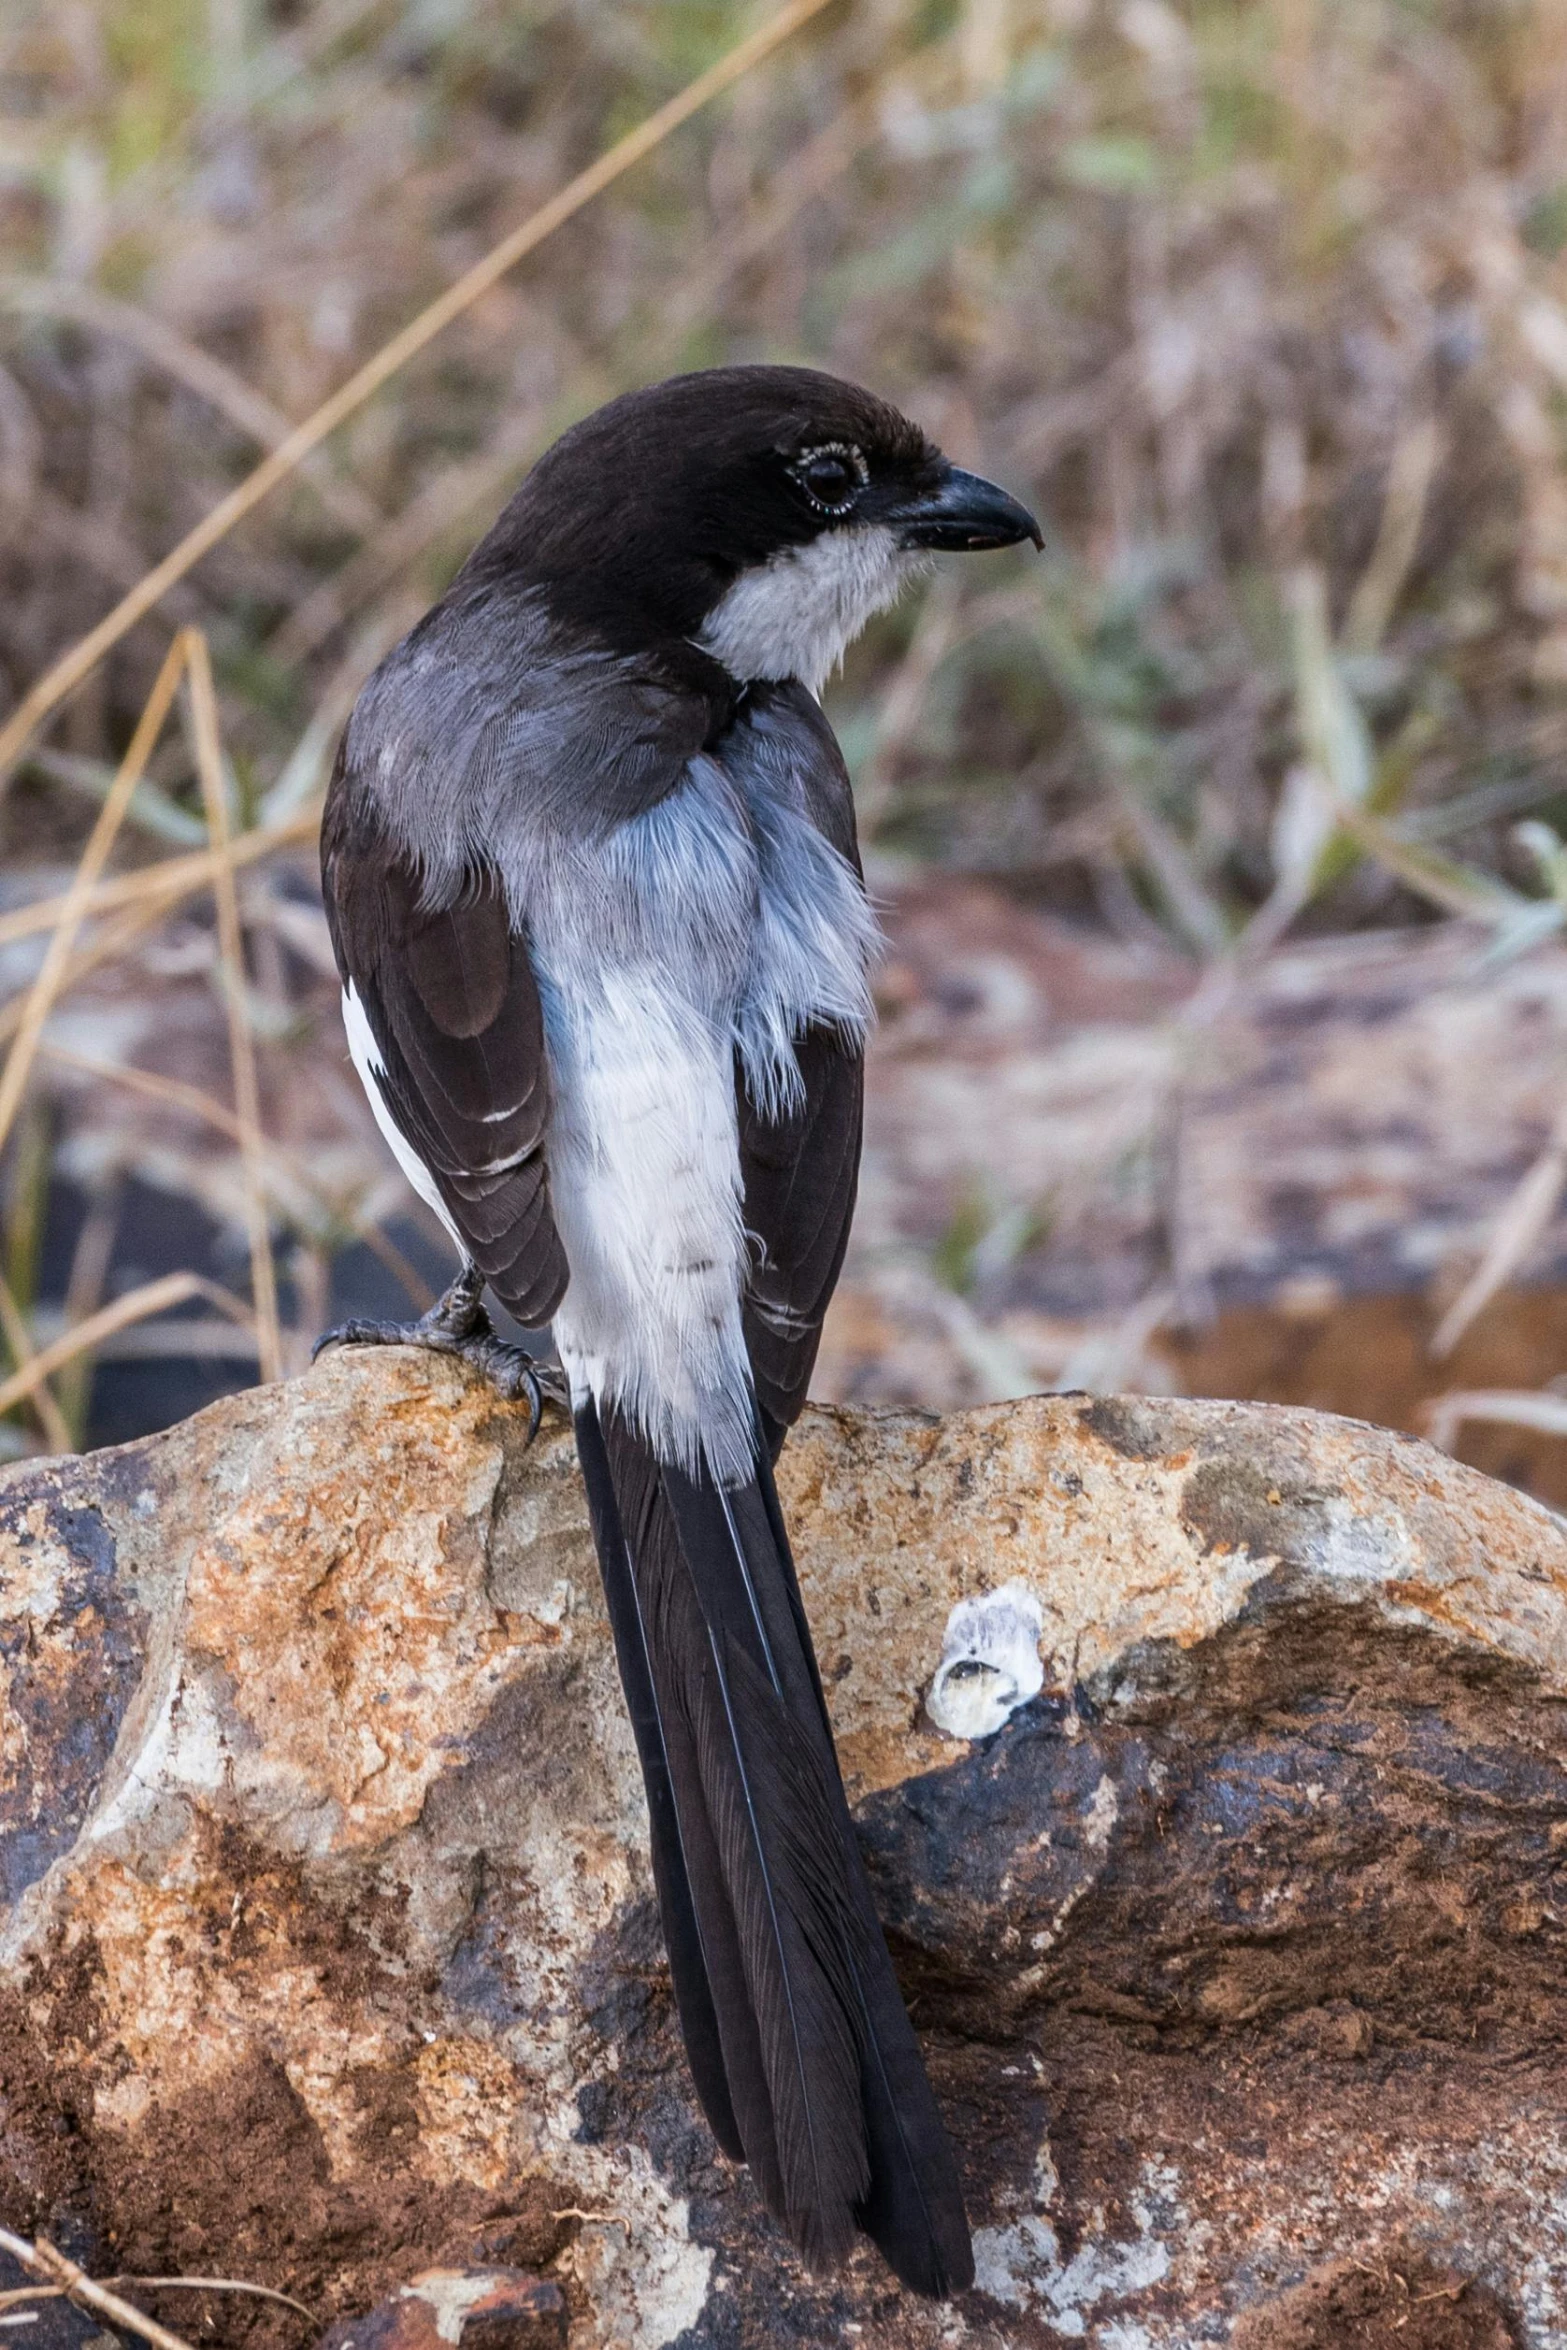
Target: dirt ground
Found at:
x=1398, y=2304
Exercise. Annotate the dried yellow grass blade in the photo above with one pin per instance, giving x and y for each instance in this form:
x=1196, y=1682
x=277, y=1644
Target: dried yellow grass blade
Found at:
x=188, y=364
x=73, y=907
x=182, y=876
x=172, y=1091
x=19, y=1339
x=51, y=2267
x=137, y=1305
x=1513, y=1237
x=68, y=672
x=392, y=1257
x=179, y=1096
x=176, y=1095
x=115, y=940
x=1462, y=890
x=1511, y=1407
x=1416, y=456
x=242, y=1044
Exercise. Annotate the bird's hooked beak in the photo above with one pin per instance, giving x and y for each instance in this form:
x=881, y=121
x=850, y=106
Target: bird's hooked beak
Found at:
x=963, y=513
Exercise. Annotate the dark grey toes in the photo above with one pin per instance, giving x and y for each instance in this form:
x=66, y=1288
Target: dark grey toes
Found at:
x=509, y=1371
x=514, y=1375
x=368, y=1334
x=457, y=1324
x=456, y=1316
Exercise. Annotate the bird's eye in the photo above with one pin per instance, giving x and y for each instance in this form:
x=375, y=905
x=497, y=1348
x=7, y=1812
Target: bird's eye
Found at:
x=831, y=477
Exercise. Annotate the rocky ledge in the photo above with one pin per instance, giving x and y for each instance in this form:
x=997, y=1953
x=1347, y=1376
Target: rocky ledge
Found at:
x=329, y=1956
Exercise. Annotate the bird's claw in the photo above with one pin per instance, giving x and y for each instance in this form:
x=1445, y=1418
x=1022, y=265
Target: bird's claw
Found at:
x=457, y=1324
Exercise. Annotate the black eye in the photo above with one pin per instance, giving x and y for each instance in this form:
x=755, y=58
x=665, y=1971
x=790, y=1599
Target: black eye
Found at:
x=831, y=478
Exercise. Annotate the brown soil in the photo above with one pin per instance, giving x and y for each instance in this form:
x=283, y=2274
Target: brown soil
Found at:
x=1397, y=2303
x=239, y=2164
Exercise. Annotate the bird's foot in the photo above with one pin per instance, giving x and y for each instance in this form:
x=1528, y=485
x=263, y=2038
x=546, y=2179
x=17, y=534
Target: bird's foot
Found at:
x=457, y=1324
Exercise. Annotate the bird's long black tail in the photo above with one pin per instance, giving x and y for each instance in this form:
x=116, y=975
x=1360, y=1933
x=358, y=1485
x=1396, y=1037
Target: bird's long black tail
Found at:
x=799, y=2042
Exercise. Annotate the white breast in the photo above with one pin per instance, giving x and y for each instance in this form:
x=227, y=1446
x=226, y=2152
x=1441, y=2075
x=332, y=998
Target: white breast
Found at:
x=793, y=616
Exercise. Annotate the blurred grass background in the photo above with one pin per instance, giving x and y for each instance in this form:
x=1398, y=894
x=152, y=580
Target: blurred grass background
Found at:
x=1263, y=303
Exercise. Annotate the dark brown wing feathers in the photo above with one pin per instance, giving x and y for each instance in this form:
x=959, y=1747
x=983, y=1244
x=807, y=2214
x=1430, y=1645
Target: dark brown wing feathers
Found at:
x=799, y=1174
x=454, y=1008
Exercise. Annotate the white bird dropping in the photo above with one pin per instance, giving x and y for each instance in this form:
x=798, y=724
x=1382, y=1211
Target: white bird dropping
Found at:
x=989, y=1662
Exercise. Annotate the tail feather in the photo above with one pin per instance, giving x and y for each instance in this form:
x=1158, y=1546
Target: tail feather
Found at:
x=915, y=2200
x=694, y=1961
x=773, y=1834
x=800, y=2045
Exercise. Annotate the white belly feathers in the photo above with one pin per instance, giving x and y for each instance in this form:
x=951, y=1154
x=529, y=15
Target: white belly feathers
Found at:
x=645, y=1187
x=728, y=953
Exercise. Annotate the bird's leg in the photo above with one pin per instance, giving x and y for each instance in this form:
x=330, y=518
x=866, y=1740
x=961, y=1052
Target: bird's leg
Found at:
x=457, y=1324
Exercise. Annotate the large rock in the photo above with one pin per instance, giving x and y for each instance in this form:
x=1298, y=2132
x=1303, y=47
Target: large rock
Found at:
x=330, y=1957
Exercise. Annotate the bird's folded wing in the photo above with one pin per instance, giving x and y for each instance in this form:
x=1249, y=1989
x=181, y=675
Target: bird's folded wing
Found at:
x=800, y=1167
x=451, y=1001
x=799, y=1172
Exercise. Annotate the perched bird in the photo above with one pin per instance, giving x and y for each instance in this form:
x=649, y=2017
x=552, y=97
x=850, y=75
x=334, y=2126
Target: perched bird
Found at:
x=590, y=866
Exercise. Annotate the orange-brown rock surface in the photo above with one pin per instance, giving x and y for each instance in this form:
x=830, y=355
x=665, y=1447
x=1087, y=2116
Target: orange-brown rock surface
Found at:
x=328, y=1955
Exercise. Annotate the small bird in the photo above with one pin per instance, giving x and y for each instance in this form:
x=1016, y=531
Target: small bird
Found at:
x=590, y=866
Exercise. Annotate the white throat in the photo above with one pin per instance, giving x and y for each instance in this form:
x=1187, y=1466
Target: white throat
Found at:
x=793, y=615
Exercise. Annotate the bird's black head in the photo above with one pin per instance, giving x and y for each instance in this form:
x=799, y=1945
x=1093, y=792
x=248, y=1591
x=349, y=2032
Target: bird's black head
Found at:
x=763, y=512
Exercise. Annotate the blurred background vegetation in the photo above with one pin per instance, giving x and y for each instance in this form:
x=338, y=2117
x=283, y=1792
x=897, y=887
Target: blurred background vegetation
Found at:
x=1263, y=303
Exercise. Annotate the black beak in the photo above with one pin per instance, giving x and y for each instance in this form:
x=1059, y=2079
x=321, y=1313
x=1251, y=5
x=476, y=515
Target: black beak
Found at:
x=964, y=513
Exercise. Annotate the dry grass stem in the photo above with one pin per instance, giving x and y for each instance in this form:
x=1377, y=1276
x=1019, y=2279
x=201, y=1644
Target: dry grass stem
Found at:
x=221, y=2285
x=197, y=369
x=1473, y=896
x=73, y=907
x=172, y=1091
x=1514, y=1407
x=825, y=158
x=177, y=1095
x=138, y=1305
x=21, y=2294
x=172, y=878
x=438, y=508
x=85, y=1288
x=19, y=1338
x=1518, y=1228
x=68, y=672
x=50, y=2266
x=242, y=1044
x=392, y=1257
x=1416, y=455
x=115, y=941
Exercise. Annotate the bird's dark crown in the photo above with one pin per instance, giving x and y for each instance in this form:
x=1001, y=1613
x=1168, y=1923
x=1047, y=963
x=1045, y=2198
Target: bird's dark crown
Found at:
x=650, y=508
